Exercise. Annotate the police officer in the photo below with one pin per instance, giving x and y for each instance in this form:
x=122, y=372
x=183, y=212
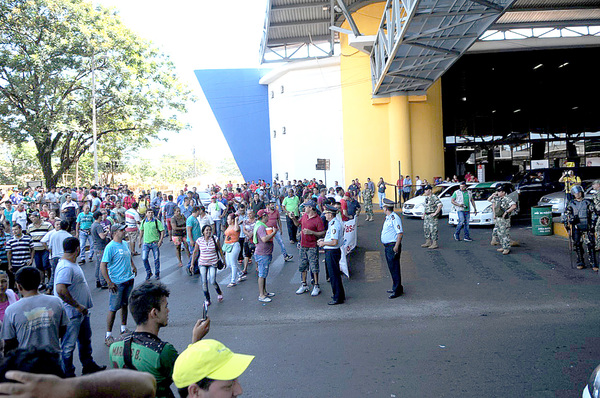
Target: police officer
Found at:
x=580, y=220
x=391, y=237
x=502, y=207
x=431, y=212
x=596, y=201
x=334, y=238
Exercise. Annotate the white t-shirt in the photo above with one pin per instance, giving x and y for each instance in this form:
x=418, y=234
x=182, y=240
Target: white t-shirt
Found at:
x=419, y=184
x=21, y=218
x=216, y=210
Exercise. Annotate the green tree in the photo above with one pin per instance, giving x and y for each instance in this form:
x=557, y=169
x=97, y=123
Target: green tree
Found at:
x=18, y=164
x=48, y=49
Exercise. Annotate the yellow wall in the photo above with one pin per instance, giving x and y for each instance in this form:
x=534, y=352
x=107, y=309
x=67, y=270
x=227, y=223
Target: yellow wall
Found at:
x=380, y=132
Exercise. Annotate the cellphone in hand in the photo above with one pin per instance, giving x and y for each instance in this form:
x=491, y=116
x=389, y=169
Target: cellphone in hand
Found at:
x=204, y=310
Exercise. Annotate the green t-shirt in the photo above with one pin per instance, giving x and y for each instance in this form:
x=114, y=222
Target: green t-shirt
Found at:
x=152, y=230
x=148, y=354
x=466, y=201
x=291, y=204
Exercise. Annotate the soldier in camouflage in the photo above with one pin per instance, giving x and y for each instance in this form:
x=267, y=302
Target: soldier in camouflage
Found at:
x=367, y=195
x=580, y=222
x=596, y=201
x=502, y=206
x=431, y=212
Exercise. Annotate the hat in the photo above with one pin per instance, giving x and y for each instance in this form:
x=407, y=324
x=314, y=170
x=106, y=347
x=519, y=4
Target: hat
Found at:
x=331, y=208
x=388, y=202
x=310, y=203
x=261, y=213
x=213, y=197
x=576, y=189
x=208, y=359
x=501, y=188
x=117, y=227
x=427, y=187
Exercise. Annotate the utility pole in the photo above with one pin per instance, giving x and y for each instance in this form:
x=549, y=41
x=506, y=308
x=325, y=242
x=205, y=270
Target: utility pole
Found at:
x=195, y=171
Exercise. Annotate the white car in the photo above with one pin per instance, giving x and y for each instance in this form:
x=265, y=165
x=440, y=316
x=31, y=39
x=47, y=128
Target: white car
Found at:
x=481, y=192
x=557, y=199
x=414, y=207
x=204, y=198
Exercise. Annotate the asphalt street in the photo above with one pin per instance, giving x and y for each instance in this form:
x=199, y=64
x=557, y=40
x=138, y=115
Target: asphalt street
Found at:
x=471, y=323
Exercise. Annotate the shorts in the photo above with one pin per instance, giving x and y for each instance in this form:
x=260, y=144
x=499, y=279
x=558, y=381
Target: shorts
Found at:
x=262, y=264
x=178, y=240
x=117, y=300
x=132, y=236
x=249, y=248
x=309, y=257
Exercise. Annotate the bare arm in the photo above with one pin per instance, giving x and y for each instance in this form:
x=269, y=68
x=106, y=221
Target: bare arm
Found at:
x=64, y=294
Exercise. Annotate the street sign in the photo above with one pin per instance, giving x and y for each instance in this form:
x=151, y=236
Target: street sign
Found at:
x=322, y=164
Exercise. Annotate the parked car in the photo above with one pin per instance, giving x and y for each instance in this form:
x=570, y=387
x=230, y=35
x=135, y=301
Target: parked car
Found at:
x=481, y=192
x=414, y=207
x=204, y=198
x=533, y=184
x=557, y=199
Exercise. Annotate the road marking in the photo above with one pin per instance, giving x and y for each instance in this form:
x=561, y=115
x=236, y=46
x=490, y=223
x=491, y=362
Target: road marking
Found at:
x=373, y=270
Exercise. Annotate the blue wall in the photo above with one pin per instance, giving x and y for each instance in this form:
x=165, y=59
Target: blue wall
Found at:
x=241, y=107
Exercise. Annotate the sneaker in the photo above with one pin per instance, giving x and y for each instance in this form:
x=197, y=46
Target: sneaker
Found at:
x=288, y=257
x=148, y=276
x=125, y=331
x=93, y=368
x=220, y=298
x=316, y=291
x=270, y=294
x=468, y=239
x=207, y=302
x=242, y=277
x=456, y=237
x=157, y=276
x=302, y=289
x=109, y=340
x=189, y=271
x=232, y=284
x=264, y=299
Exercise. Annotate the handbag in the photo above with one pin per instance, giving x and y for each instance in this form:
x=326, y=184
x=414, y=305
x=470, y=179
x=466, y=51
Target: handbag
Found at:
x=220, y=262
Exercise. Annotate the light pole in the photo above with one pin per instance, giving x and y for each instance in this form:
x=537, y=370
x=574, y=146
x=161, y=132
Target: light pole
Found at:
x=94, y=121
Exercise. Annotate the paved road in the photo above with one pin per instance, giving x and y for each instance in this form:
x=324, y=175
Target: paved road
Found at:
x=472, y=322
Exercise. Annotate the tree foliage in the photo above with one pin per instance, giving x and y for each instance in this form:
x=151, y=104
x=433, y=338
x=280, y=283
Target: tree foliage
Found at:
x=47, y=50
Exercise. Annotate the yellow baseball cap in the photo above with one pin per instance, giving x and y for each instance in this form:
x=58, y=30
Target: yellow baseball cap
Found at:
x=208, y=358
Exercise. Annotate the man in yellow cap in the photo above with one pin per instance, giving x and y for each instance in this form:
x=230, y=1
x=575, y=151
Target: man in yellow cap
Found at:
x=208, y=369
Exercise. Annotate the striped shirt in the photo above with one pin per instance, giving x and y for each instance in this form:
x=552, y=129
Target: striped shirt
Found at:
x=20, y=250
x=38, y=233
x=208, y=254
x=3, y=257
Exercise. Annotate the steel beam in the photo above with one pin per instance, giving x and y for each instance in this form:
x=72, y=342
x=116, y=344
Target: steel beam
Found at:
x=319, y=4
x=299, y=23
x=488, y=4
x=349, y=18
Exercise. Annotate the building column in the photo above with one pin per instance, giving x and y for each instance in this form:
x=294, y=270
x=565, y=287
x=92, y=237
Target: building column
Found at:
x=399, y=135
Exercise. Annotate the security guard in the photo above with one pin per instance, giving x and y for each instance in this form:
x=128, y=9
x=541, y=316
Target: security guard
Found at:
x=502, y=206
x=334, y=238
x=391, y=237
x=431, y=212
x=580, y=221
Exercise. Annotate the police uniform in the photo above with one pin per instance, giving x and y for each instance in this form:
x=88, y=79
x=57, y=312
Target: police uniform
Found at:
x=368, y=201
x=392, y=226
x=580, y=218
x=502, y=225
x=333, y=254
x=430, y=222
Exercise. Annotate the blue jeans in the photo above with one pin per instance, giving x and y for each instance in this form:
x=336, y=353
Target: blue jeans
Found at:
x=463, y=222
x=217, y=230
x=279, y=240
x=78, y=331
x=381, y=196
x=53, y=264
x=146, y=247
x=84, y=238
x=98, y=273
x=191, y=247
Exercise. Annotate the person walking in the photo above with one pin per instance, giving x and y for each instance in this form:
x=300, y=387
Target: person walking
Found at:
x=263, y=254
x=132, y=222
x=54, y=242
x=391, y=237
x=69, y=211
x=19, y=249
x=431, y=212
x=275, y=222
x=38, y=229
x=152, y=234
x=462, y=201
x=502, y=207
x=291, y=204
x=119, y=272
x=580, y=223
x=178, y=227
x=332, y=243
x=72, y=288
x=215, y=209
x=231, y=247
x=193, y=232
x=207, y=251
x=83, y=224
x=249, y=246
x=100, y=239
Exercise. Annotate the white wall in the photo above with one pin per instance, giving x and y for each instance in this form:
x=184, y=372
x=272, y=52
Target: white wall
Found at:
x=310, y=110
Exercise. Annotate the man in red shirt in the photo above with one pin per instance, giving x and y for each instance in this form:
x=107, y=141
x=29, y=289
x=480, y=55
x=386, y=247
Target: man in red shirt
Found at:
x=344, y=203
x=129, y=200
x=275, y=222
x=311, y=229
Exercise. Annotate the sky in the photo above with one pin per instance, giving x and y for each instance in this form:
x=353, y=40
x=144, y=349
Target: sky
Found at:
x=196, y=35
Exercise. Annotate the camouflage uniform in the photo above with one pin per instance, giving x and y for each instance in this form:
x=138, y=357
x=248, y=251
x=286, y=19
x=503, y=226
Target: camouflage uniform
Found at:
x=368, y=200
x=502, y=228
x=596, y=201
x=430, y=223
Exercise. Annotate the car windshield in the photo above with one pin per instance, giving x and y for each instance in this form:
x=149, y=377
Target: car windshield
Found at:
x=482, y=193
x=438, y=190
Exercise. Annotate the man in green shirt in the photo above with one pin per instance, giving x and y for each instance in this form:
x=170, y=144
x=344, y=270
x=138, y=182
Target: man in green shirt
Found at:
x=148, y=353
x=462, y=200
x=291, y=203
x=153, y=232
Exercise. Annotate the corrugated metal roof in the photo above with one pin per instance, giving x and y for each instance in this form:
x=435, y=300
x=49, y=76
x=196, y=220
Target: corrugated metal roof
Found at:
x=549, y=16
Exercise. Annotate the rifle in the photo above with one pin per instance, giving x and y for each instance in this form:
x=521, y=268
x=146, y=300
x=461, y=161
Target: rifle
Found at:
x=571, y=244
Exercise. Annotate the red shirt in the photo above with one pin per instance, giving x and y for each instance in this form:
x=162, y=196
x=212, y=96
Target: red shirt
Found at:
x=128, y=201
x=344, y=207
x=314, y=224
x=273, y=217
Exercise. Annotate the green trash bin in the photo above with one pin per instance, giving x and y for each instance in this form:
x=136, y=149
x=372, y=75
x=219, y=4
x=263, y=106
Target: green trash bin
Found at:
x=541, y=220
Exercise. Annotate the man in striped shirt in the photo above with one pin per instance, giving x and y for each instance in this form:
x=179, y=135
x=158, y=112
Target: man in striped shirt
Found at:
x=37, y=230
x=19, y=249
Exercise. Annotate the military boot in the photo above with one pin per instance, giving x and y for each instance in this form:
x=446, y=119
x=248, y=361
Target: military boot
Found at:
x=434, y=245
x=580, y=260
x=494, y=241
x=426, y=244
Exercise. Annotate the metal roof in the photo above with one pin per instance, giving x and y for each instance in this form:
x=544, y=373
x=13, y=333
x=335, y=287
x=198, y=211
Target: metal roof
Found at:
x=300, y=29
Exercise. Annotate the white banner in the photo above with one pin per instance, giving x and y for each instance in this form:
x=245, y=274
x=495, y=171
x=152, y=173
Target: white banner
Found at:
x=349, y=244
x=539, y=164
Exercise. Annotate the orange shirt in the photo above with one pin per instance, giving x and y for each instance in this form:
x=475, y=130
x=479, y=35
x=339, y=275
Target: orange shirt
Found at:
x=231, y=235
